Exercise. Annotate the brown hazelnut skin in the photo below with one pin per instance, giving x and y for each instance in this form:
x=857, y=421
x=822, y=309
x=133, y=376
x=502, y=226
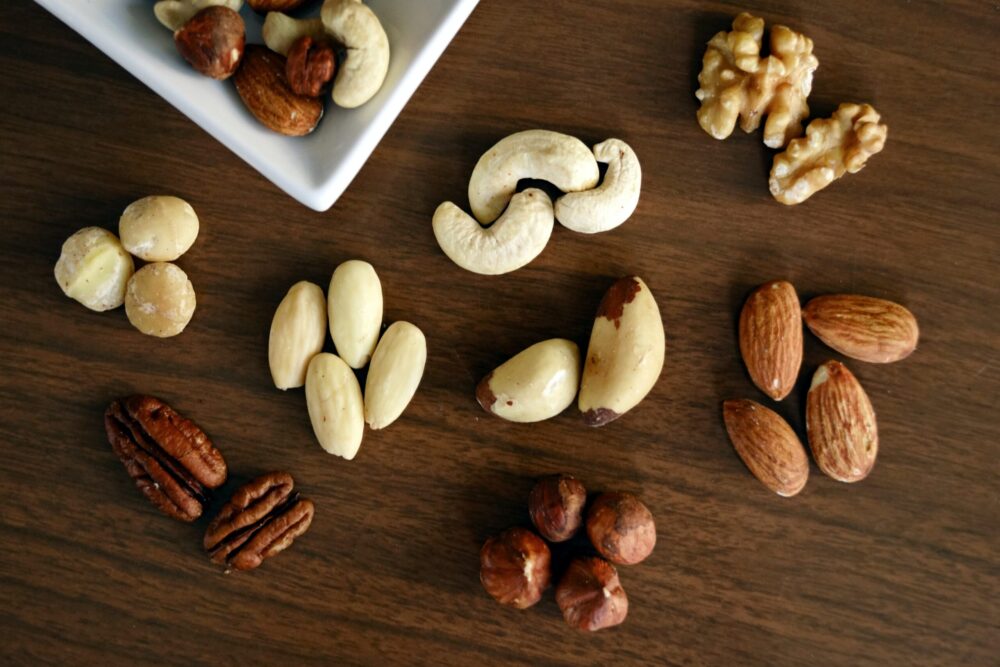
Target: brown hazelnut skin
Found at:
x=212, y=41
x=621, y=528
x=556, y=506
x=590, y=595
x=310, y=66
x=515, y=567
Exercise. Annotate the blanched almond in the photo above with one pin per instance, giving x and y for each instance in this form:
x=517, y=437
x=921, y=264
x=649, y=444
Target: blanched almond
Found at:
x=396, y=370
x=298, y=330
x=355, y=306
x=336, y=409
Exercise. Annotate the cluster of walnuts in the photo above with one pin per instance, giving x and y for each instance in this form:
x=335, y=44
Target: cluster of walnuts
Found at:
x=737, y=83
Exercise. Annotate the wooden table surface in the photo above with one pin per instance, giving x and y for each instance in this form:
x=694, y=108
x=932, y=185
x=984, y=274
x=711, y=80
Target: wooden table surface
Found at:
x=901, y=569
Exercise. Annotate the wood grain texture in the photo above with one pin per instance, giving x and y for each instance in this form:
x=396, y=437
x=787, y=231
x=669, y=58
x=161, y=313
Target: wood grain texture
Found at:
x=900, y=569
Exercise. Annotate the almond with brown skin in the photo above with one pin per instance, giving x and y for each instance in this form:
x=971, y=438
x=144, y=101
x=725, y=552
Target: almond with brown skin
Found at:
x=840, y=422
x=863, y=327
x=771, y=338
x=264, y=89
x=767, y=445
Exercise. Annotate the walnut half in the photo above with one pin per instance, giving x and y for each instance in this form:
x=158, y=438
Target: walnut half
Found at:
x=736, y=83
x=832, y=147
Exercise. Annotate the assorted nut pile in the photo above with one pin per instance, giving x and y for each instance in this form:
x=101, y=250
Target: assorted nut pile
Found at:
x=624, y=361
x=840, y=420
x=736, y=83
x=177, y=468
x=520, y=223
x=345, y=49
x=516, y=565
x=96, y=269
x=337, y=409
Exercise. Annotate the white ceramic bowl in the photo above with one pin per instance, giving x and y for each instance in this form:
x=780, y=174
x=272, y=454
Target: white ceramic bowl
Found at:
x=316, y=169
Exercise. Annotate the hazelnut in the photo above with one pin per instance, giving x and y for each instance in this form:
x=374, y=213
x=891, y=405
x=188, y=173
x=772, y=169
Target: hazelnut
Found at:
x=556, y=506
x=310, y=66
x=514, y=567
x=621, y=528
x=94, y=268
x=158, y=228
x=212, y=41
x=590, y=595
x=159, y=300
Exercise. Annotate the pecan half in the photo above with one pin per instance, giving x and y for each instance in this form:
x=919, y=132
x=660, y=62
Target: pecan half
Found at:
x=172, y=461
x=261, y=520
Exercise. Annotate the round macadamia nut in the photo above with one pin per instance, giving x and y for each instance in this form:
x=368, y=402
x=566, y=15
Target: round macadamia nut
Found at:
x=158, y=228
x=160, y=300
x=93, y=268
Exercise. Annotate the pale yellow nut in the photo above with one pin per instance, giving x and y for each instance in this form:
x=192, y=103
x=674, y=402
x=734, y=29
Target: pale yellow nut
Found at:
x=280, y=31
x=355, y=307
x=94, y=269
x=336, y=408
x=536, y=384
x=366, y=60
x=158, y=228
x=395, y=374
x=173, y=14
x=625, y=355
x=159, y=300
x=613, y=201
x=298, y=330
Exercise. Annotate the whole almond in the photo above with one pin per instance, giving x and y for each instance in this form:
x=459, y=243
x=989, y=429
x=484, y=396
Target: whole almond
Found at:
x=771, y=338
x=298, y=330
x=840, y=422
x=336, y=408
x=395, y=373
x=355, y=307
x=863, y=327
x=262, y=85
x=767, y=445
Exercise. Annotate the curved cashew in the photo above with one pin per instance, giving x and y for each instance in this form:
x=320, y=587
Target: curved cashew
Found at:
x=515, y=239
x=280, y=31
x=612, y=203
x=174, y=14
x=361, y=74
x=560, y=159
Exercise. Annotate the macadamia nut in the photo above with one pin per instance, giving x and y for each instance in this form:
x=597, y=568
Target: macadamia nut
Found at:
x=94, y=268
x=159, y=300
x=158, y=228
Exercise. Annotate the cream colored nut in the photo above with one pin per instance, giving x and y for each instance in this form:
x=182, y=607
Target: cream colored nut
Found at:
x=395, y=373
x=158, y=228
x=363, y=70
x=174, y=14
x=159, y=300
x=93, y=269
x=298, y=330
x=518, y=237
x=613, y=202
x=736, y=83
x=536, y=384
x=831, y=148
x=625, y=356
x=336, y=409
x=560, y=159
x=355, y=306
x=280, y=31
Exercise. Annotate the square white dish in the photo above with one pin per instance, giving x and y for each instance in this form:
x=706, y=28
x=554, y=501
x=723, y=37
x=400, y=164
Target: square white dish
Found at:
x=315, y=169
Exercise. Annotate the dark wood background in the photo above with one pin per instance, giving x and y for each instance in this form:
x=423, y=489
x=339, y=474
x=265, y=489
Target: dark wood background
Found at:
x=900, y=569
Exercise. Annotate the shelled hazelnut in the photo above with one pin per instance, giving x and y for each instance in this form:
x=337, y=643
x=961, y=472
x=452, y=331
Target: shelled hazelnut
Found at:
x=556, y=506
x=590, y=595
x=515, y=567
x=621, y=528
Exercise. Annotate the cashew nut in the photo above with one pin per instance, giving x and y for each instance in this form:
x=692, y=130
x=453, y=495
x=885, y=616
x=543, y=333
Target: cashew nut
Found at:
x=560, y=159
x=612, y=203
x=361, y=74
x=280, y=31
x=515, y=239
x=174, y=14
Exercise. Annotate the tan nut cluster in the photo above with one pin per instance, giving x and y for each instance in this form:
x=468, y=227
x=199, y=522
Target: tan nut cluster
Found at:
x=831, y=148
x=96, y=269
x=514, y=566
x=338, y=407
x=840, y=420
x=737, y=84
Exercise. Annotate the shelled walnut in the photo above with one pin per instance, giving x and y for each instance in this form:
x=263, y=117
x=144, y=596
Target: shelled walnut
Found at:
x=736, y=83
x=832, y=147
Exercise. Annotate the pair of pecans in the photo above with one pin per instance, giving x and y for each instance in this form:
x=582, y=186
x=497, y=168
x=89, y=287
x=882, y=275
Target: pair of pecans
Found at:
x=840, y=420
x=515, y=567
x=177, y=467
